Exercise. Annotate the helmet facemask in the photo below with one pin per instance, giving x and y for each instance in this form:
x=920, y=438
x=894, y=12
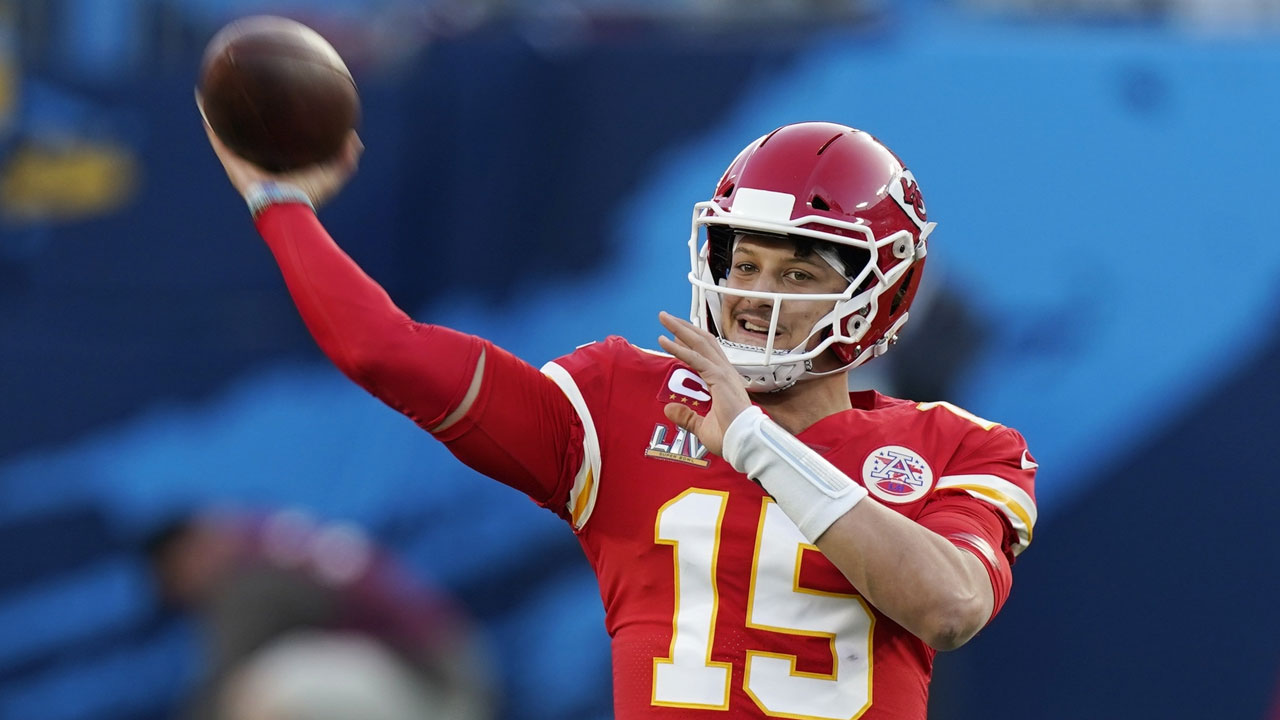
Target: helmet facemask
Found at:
x=808, y=182
x=850, y=247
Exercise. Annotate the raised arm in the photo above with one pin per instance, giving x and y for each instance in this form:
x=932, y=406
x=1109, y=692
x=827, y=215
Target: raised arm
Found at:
x=424, y=371
x=528, y=437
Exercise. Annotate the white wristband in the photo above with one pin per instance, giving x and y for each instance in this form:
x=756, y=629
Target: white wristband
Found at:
x=808, y=488
x=262, y=195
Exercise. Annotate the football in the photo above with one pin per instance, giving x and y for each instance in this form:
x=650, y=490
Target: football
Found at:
x=277, y=93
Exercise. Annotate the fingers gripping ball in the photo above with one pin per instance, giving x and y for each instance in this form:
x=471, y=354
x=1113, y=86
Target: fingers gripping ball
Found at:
x=277, y=93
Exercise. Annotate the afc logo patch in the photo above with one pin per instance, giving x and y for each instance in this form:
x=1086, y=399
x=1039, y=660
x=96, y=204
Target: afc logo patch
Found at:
x=897, y=474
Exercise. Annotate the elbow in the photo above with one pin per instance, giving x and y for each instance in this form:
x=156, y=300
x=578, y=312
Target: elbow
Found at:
x=361, y=363
x=955, y=623
x=372, y=358
x=372, y=365
x=371, y=348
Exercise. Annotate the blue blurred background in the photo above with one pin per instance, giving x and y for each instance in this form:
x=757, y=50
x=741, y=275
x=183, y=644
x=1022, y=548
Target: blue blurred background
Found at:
x=1103, y=278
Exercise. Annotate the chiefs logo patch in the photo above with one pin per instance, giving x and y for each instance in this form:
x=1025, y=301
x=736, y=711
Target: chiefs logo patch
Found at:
x=897, y=474
x=907, y=194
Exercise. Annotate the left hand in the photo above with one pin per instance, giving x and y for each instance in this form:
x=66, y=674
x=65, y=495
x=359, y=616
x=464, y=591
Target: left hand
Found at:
x=701, y=351
x=320, y=182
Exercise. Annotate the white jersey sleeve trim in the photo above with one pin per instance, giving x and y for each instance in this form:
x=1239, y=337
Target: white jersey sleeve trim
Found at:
x=976, y=544
x=1017, y=505
x=582, y=496
x=659, y=353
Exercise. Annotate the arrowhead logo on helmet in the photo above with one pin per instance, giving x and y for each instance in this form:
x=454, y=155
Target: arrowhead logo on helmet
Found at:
x=907, y=194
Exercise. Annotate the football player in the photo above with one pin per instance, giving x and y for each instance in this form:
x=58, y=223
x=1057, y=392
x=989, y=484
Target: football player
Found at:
x=767, y=543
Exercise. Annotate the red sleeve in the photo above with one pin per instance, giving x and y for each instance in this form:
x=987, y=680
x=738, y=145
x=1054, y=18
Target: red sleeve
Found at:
x=420, y=370
x=984, y=502
x=977, y=528
x=520, y=430
x=551, y=438
x=995, y=468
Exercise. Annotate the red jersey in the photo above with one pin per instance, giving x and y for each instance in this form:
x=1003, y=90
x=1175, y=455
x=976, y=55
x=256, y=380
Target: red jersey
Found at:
x=716, y=604
x=713, y=598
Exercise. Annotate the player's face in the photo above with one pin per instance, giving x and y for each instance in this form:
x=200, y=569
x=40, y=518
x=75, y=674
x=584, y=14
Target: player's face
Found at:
x=774, y=265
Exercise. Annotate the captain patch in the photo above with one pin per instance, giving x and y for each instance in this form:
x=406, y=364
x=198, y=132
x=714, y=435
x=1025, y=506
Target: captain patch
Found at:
x=685, y=387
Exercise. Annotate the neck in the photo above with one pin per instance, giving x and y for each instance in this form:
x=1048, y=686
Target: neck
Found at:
x=806, y=402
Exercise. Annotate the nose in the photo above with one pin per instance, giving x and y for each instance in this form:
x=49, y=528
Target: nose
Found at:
x=759, y=308
x=764, y=282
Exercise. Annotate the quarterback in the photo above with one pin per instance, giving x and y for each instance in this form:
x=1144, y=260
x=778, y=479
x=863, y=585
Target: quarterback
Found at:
x=767, y=544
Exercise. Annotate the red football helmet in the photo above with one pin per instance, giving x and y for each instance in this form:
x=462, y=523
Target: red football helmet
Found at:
x=826, y=182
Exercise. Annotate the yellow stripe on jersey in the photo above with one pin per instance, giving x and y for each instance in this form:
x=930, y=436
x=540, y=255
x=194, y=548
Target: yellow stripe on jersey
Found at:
x=586, y=484
x=959, y=411
x=586, y=496
x=1017, y=505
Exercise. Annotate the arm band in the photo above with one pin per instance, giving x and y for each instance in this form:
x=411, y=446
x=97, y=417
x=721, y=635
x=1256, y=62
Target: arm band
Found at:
x=808, y=488
x=262, y=195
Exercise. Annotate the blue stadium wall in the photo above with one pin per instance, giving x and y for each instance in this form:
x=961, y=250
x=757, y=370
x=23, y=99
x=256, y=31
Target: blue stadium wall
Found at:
x=1103, y=280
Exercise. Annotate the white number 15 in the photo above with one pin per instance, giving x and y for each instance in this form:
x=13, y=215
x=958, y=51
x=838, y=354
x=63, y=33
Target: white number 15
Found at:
x=689, y=678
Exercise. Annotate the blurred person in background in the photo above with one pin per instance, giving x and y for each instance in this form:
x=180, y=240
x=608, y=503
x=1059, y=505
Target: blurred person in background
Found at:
x=307, y=621
x=876, y=531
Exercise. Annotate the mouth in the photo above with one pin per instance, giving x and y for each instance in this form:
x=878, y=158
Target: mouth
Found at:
x=754, y=331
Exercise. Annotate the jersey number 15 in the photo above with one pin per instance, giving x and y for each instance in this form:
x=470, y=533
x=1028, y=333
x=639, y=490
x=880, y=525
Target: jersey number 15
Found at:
x=689, y=678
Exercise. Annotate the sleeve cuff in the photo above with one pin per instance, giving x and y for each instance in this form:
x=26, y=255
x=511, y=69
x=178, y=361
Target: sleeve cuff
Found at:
x=262, y=195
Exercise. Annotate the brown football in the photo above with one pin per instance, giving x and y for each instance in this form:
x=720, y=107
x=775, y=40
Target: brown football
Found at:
x=277, y=93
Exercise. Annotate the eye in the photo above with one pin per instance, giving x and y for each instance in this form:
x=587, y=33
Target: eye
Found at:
x=799, y=276
x=743, y=268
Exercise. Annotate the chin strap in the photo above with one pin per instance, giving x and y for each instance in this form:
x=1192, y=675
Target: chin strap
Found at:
x=758, y=377
x=808, y=488
x=774, y=378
